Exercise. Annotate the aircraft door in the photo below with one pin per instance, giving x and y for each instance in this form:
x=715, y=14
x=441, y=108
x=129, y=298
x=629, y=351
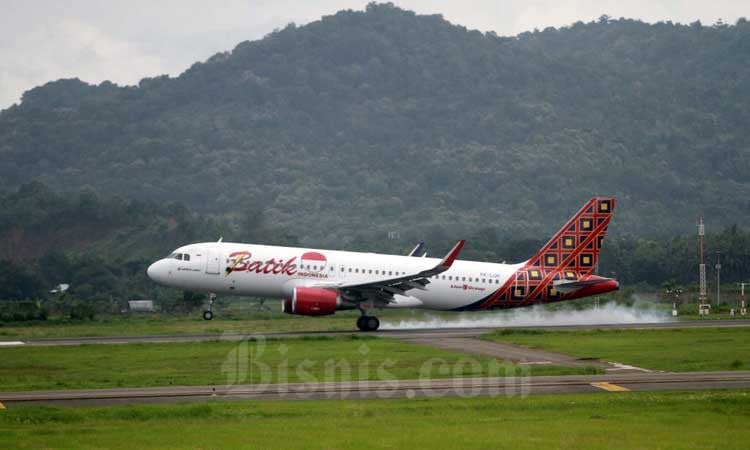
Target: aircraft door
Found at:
x=212, y=262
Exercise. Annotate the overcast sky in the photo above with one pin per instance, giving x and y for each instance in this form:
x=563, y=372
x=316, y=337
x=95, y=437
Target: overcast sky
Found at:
x=124, y=41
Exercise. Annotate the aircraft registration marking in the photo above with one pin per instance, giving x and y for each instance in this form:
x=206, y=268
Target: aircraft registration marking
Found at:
x=610, y=387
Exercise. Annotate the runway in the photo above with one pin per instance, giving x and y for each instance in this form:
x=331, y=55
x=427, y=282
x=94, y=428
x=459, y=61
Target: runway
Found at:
x=463, y=387
x=425, y=333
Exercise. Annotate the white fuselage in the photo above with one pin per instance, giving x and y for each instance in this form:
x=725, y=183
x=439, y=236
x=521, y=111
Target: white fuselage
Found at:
x=274, y=272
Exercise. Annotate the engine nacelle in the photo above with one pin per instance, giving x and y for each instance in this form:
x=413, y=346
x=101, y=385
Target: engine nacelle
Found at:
x=312, y=301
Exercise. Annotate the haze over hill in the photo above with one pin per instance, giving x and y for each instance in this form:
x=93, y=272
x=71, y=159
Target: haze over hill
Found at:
x=383, y=120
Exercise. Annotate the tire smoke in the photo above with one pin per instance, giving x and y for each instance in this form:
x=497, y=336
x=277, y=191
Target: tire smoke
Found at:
x=607, y=314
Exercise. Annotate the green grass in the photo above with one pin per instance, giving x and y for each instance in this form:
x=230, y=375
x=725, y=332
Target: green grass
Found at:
x=709, y=419
x=168, y=325
x=679, y=350
x=202, y=363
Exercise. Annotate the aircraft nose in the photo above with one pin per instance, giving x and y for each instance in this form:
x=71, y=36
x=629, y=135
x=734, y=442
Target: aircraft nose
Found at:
x=151, y=271
x=156, y=272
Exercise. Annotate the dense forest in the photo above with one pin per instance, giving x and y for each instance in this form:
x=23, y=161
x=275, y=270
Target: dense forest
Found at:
x=374, y=129
x=391, y=121
x=101, y=245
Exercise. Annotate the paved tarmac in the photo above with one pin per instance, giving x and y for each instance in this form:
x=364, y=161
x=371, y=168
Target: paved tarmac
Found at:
x=398, y=334
x=465, y=387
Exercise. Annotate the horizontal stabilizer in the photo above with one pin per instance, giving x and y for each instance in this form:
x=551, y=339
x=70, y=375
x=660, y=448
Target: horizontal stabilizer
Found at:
x=565, y=287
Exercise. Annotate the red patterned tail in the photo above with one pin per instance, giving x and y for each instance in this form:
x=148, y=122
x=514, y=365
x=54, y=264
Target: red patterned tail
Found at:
x=563, y=268
x=576, y=246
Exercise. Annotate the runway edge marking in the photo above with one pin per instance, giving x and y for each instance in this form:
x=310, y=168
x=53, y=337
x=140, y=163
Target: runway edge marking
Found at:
x=610, y=387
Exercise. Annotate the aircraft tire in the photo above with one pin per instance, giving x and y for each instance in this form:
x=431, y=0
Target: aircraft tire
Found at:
x=371, y=323
x=208, y=315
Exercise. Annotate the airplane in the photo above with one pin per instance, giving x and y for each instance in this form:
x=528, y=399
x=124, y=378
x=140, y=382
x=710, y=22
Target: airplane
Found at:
x=313, y=282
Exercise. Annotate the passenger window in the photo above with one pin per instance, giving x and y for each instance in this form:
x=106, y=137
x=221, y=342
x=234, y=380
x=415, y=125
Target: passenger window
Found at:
x=450, y=277
x=356, y=270
x=377, y=272
x=369, y=271
x=463, y=278
x=342, y=269
x=483, y=280
x=390, y=272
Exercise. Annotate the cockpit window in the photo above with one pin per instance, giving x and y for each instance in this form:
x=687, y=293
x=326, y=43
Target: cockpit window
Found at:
x=186, y=257
x=179, y=256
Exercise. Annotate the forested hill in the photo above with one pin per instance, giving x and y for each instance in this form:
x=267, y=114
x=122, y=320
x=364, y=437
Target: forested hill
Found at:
x=384, y=120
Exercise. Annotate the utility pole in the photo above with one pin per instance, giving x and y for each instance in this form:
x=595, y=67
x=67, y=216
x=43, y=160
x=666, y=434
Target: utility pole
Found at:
x=743, y=311
x=703, y=306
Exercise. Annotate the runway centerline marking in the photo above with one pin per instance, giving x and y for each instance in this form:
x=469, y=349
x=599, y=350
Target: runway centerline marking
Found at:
x=610, y=387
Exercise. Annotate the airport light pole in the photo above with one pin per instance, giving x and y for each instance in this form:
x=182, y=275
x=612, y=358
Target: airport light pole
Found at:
x=743, y=310
x=675, y=293
x=718, y=278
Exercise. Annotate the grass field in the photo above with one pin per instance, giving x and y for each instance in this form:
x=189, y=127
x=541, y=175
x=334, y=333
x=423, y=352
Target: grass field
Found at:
x=169, y=325
x=680, y=350
x=202, y=363
x=709, y=419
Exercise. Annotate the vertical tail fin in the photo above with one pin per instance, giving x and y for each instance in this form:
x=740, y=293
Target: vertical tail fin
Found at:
x=576, y=246
x=568, y=259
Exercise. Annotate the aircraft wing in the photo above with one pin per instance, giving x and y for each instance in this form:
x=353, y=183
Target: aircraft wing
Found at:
x=387, y=288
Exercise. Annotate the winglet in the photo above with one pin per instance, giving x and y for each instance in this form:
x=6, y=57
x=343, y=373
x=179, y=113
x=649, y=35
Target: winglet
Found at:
x=418, y=251
x=447, y=262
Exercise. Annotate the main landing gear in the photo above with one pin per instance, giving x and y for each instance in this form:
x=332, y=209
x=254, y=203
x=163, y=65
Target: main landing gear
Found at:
x=208, y=314
x=368, y=323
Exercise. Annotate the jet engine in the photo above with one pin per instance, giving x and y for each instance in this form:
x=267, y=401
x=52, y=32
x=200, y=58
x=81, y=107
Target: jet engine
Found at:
x=312, y=301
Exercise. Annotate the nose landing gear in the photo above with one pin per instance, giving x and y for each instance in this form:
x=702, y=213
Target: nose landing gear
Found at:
x=208, y=314
x=368, y=323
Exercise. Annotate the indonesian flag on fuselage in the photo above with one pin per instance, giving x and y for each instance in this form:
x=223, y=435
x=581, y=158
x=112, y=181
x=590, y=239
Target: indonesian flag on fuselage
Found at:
x=313, y=261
